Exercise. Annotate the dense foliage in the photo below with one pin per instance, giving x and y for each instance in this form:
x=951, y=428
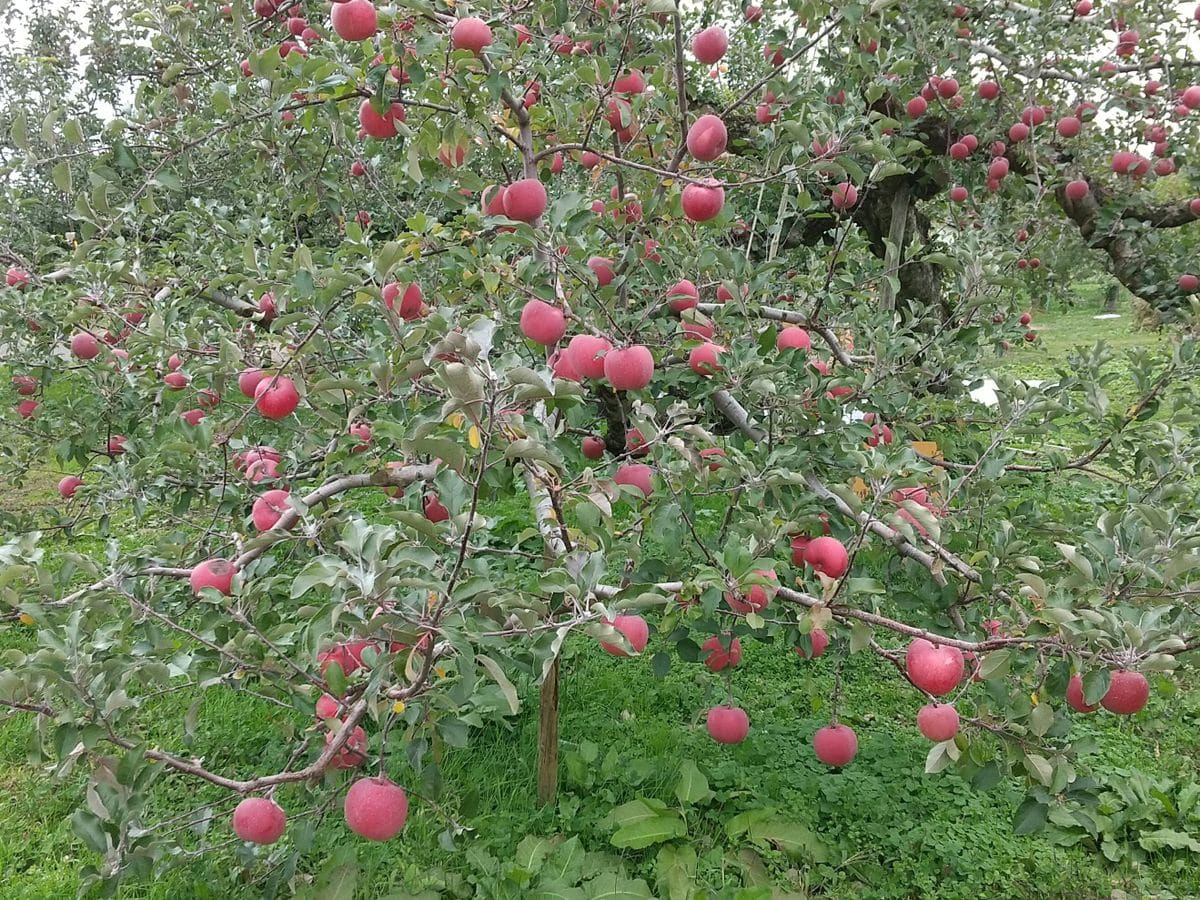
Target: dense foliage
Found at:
x=712, y=323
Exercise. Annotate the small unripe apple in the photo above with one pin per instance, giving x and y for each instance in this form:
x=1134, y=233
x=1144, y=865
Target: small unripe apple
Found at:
x=635, y=630
x=213, y=573
x=835, y=745
x=376, y=808
x=727, y=724
x=259, y=820
x=938, y=721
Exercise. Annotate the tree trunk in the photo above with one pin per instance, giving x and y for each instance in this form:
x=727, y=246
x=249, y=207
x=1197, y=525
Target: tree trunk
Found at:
x=1110, y=298
x=547, y=776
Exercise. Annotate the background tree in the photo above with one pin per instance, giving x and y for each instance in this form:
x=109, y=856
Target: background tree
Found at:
x=573, y=254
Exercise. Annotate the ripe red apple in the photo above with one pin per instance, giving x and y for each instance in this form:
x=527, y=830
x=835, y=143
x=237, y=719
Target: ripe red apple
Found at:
x=1075, y=696
x=704, y=360
x=26, y=408
x=630, y=368
x=525, y=200
x=268, y=508
x=491, y=203
x=716, y=454
x=958, y=193
x=259, y=820
x=702, y=202
x=412, y=299
x=68, y=486
x=1026, y=318
x=377, y=808
x=589, y=160
x=26, y=385
x=353, y=20
x=586, y=353
x=1069, y=126
x=249, y=380
x=934, y=668
x=753, y=14
x=820, y=642
x=947, y=88
x=707, y=137
x=380, y=125
x=1030, y=336
x=327, y=707
x=728, y=724
x=793, y=337
x=193, y=416
x=835, y=745
x=1083, y=8
x=1076, y=190
x=1188, y=282
x=84, y=345
x=116, y=445
x=353, y=753
x=916, y=107
x=828, y=556
x=276, y=397
x=361, y=431
x=755, y=598
x=1018, y=132
x=709, y=45
x=636, y=475
x=17, y=278
x=562, y=367
x=636, y=631
x=213, y=573
x=989, y=90
x=959, y=151
x=471, y=33
x=721, y=652
x=773, y=55
x=1127, y=693
x=602, y=268
x=176, y=381
x=938, y=721
x=593, y=447
x=844, y=196
x=683, y=295
x=433, y=508
x=543, y=323
x=631, y=82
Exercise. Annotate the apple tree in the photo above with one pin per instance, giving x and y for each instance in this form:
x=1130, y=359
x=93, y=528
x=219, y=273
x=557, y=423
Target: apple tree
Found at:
x=298, y=292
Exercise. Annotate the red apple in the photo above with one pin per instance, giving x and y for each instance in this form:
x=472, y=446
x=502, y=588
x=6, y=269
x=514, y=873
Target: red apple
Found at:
x=1075, y=696
x=820, y=642
x=728, y=724
x=1127, y=692
x=593, y=447
x=938, y=721
x=702, y=202
x=683, y=295
x=721, y=652
x=707, y=137
x=68, y=486
x=933, y=668
x=543, y=323
x=525, y=200
x=213, y=573
x=276, y=397
x=709, y=45
x=433, y=508
x=269, y=508
x=586, y=353
x=377, y=808
x=259, y=820
x=84, y=345
x=835, y=745
x=470, y=33
x=704, y=360
x=828, y=556
x=635, y=630
x=353, y=753
x=636, y=475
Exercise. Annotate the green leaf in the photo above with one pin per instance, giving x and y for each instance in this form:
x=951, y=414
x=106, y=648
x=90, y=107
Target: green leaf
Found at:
x=19, y=132
x=643, y=825
x=1166, y=837
x=1076, y=559
x=73, y=132
x=1030, y=817
x=792, y=838
x=1041, y=719
x=1039, y=767
x=338, y=879
x=506, y=686
x=532, y=852
x=692, y=786
x=938, y=758
x=448, y=451
x=61, y=176
x=1095, y=686
x=615, y=886
x=860, y=636
x=565, y=864
x=675, y=870
x=168, y=180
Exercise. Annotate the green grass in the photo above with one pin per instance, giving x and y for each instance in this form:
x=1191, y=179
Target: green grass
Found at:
x=891, y=830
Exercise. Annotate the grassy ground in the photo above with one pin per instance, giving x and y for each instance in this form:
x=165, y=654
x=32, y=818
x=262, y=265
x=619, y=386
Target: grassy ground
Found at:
x=880, y=828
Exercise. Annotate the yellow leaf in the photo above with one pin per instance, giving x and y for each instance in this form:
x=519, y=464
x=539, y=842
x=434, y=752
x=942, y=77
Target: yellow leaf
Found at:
x=439, y=671
x=398, y=707
x=1034, y=698
x=26, y=619
x=455, y=420
x=473, y=437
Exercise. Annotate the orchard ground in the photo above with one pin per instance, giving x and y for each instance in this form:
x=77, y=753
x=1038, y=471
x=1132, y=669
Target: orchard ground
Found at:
x=879, y=828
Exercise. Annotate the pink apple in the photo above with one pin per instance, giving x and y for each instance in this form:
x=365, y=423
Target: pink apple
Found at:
x=213, y=573
x=377, y=808
x=727, y=724
x=276, y=397
x=835, y=745
x=635, y=630
x=636, y=475
x=938, y=721
x=933, y=668
x=707, y=137
x=259, y=820
x=543, y=323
